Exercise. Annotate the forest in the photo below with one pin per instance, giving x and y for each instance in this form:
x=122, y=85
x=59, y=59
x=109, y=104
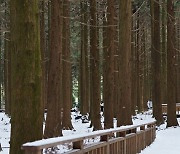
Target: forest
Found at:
x=102, y=58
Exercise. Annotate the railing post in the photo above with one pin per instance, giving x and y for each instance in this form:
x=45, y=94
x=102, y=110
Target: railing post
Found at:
x=134, y=130
x=78, y=145
x=106, y=139
x=151, y=132
x=142, y=128
x=123, y=134
x=154, y=131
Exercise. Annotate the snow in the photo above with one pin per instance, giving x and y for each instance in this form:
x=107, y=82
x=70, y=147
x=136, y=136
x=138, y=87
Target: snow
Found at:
x=5, y=128
x=167, y=140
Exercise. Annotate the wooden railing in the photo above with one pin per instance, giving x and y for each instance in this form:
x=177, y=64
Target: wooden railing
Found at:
x=164, y=109
x=126, y=140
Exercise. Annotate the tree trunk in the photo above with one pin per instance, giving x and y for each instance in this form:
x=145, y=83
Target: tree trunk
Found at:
x=66, y=62
x=146, y=67
x=163, y=55
x=171, y=73
x=43, y=54
x=133, y=67
x=156, y=59
x=27, y=109
x=124, y=117
x=116, y=57
x=84, y=70
x=7, y=66
x=177, y=52
x=109, y=67
x=1, y=69
x=141, y=62
x=138, y=55
x=54, y=94
x=94, y=67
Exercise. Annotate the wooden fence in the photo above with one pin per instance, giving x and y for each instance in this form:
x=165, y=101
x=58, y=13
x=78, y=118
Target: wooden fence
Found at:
x=128, y=140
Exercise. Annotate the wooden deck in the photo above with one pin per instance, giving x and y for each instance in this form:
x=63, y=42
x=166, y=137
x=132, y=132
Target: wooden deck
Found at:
x=129, y=140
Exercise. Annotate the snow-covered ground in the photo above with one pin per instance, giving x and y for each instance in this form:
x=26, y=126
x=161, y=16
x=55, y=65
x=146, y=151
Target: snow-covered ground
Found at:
x=167, y=140
x=5, y=127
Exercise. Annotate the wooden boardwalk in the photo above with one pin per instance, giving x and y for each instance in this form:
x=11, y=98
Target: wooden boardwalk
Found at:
x=130, y=140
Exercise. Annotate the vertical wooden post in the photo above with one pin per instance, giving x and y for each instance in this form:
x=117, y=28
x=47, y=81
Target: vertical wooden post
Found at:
x=123, y=134
x=134, y=130
x=106, y=138
x=142, y=128
x=154, y=131
x=78, y=145
x=150, y=127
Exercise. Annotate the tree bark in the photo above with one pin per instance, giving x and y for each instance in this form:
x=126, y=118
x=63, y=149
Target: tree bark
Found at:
x=171, y=73
x=108, y=90
x=138, y=47
x=116, y=57
x=124, y=117
x=27, y=113
x=94, y=69
x=54, y=94
x=7, y=63
x=84, y=70
x=1, y=69
x=156, y=59
x=66, y=62
x=177, y=52
x=43, y=54
x=133, y=66
x=163, y=55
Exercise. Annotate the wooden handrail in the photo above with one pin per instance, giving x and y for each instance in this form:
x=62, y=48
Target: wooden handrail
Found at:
x=141, y=131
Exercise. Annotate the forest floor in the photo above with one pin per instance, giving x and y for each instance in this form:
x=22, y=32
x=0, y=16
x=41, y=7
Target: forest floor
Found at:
x=166, y=142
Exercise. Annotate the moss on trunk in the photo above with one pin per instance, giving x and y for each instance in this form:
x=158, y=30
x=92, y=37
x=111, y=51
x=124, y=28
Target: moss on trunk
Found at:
x=27, y=114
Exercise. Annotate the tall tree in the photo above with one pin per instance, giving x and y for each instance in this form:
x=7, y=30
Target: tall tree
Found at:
x=66, y=63
x=108, y=90
x=27, y=113
x=116, y=56
x=156, y=61
x=145, y=70
x=163, y=55
x=133, y=64
x=138, y=53
x=143, y=63
x=7, y=62
x=177, y=20
x=1, y=67
x=43, y=53
x=171, y=73
x=94, y=69
x=84, y=70
x=53, y=125
x=124, y=117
